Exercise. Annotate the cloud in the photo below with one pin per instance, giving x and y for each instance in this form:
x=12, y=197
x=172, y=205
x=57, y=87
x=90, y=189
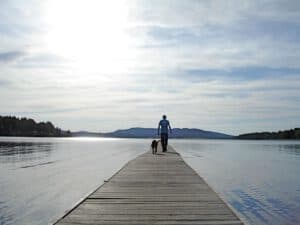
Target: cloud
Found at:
x=43, y=60
x=215, y=65
x=20, y=18
x=240, y=73
x=10, y=56
x=209, y=104
x=5, y=83
x=186, y=13
x=211, y=13
x=218, y=34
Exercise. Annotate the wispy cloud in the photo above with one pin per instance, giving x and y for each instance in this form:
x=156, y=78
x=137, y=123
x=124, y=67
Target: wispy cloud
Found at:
x=10, y=56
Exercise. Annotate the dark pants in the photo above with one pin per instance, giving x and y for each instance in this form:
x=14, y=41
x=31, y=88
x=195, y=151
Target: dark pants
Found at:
x=164, y=141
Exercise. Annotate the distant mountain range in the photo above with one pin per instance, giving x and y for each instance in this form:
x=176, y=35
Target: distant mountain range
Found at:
x=138, y=132
x=26, y=127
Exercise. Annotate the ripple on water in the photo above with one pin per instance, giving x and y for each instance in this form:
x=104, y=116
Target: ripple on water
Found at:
x=259, y=209
x=6, y=217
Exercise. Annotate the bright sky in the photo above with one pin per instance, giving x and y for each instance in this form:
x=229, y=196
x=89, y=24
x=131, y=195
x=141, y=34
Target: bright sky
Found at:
x=228, y=66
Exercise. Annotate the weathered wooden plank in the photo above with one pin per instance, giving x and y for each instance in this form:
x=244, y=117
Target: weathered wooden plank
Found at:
x=141, y=217
x=153, y=189
x=126, y=211
x=160, y=206
x=155, y=222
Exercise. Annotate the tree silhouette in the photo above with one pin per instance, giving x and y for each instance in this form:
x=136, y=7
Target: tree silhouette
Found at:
x=13, y=126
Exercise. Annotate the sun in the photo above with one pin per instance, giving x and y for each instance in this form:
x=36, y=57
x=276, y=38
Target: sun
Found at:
x=91, y=33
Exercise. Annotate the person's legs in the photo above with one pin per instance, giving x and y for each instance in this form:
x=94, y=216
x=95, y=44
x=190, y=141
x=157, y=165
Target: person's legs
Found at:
x=167, y=141
x=164, y=139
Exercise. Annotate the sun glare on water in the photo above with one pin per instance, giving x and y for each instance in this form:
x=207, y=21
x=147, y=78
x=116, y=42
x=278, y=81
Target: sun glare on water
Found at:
x=90, y=33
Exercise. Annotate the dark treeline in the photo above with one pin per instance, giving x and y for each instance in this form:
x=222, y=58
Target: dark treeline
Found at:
x=286, y=134
x=13, y=126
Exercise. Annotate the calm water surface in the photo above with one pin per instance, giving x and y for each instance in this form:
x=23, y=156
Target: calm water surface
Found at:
x=259, y=179
x=41, y=178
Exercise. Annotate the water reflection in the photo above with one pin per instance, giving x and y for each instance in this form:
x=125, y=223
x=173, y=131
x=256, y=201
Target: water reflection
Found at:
x=38, y=164
x=260, y=209
x=290, y=148
x=249, y=206
x=41, y=178
x=259, y=179
x=11, y=152
x=5, y=217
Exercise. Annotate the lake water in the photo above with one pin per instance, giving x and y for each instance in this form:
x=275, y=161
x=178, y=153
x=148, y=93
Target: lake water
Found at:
x=41, y=178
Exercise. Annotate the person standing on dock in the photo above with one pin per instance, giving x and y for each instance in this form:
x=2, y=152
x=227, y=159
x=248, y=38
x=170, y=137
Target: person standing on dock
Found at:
x=163, y=129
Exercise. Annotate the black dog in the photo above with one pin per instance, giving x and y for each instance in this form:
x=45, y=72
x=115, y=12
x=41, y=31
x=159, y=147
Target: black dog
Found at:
x=154, y=146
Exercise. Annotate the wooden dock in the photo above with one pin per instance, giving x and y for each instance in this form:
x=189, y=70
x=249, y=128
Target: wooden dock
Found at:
x=153, y=189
